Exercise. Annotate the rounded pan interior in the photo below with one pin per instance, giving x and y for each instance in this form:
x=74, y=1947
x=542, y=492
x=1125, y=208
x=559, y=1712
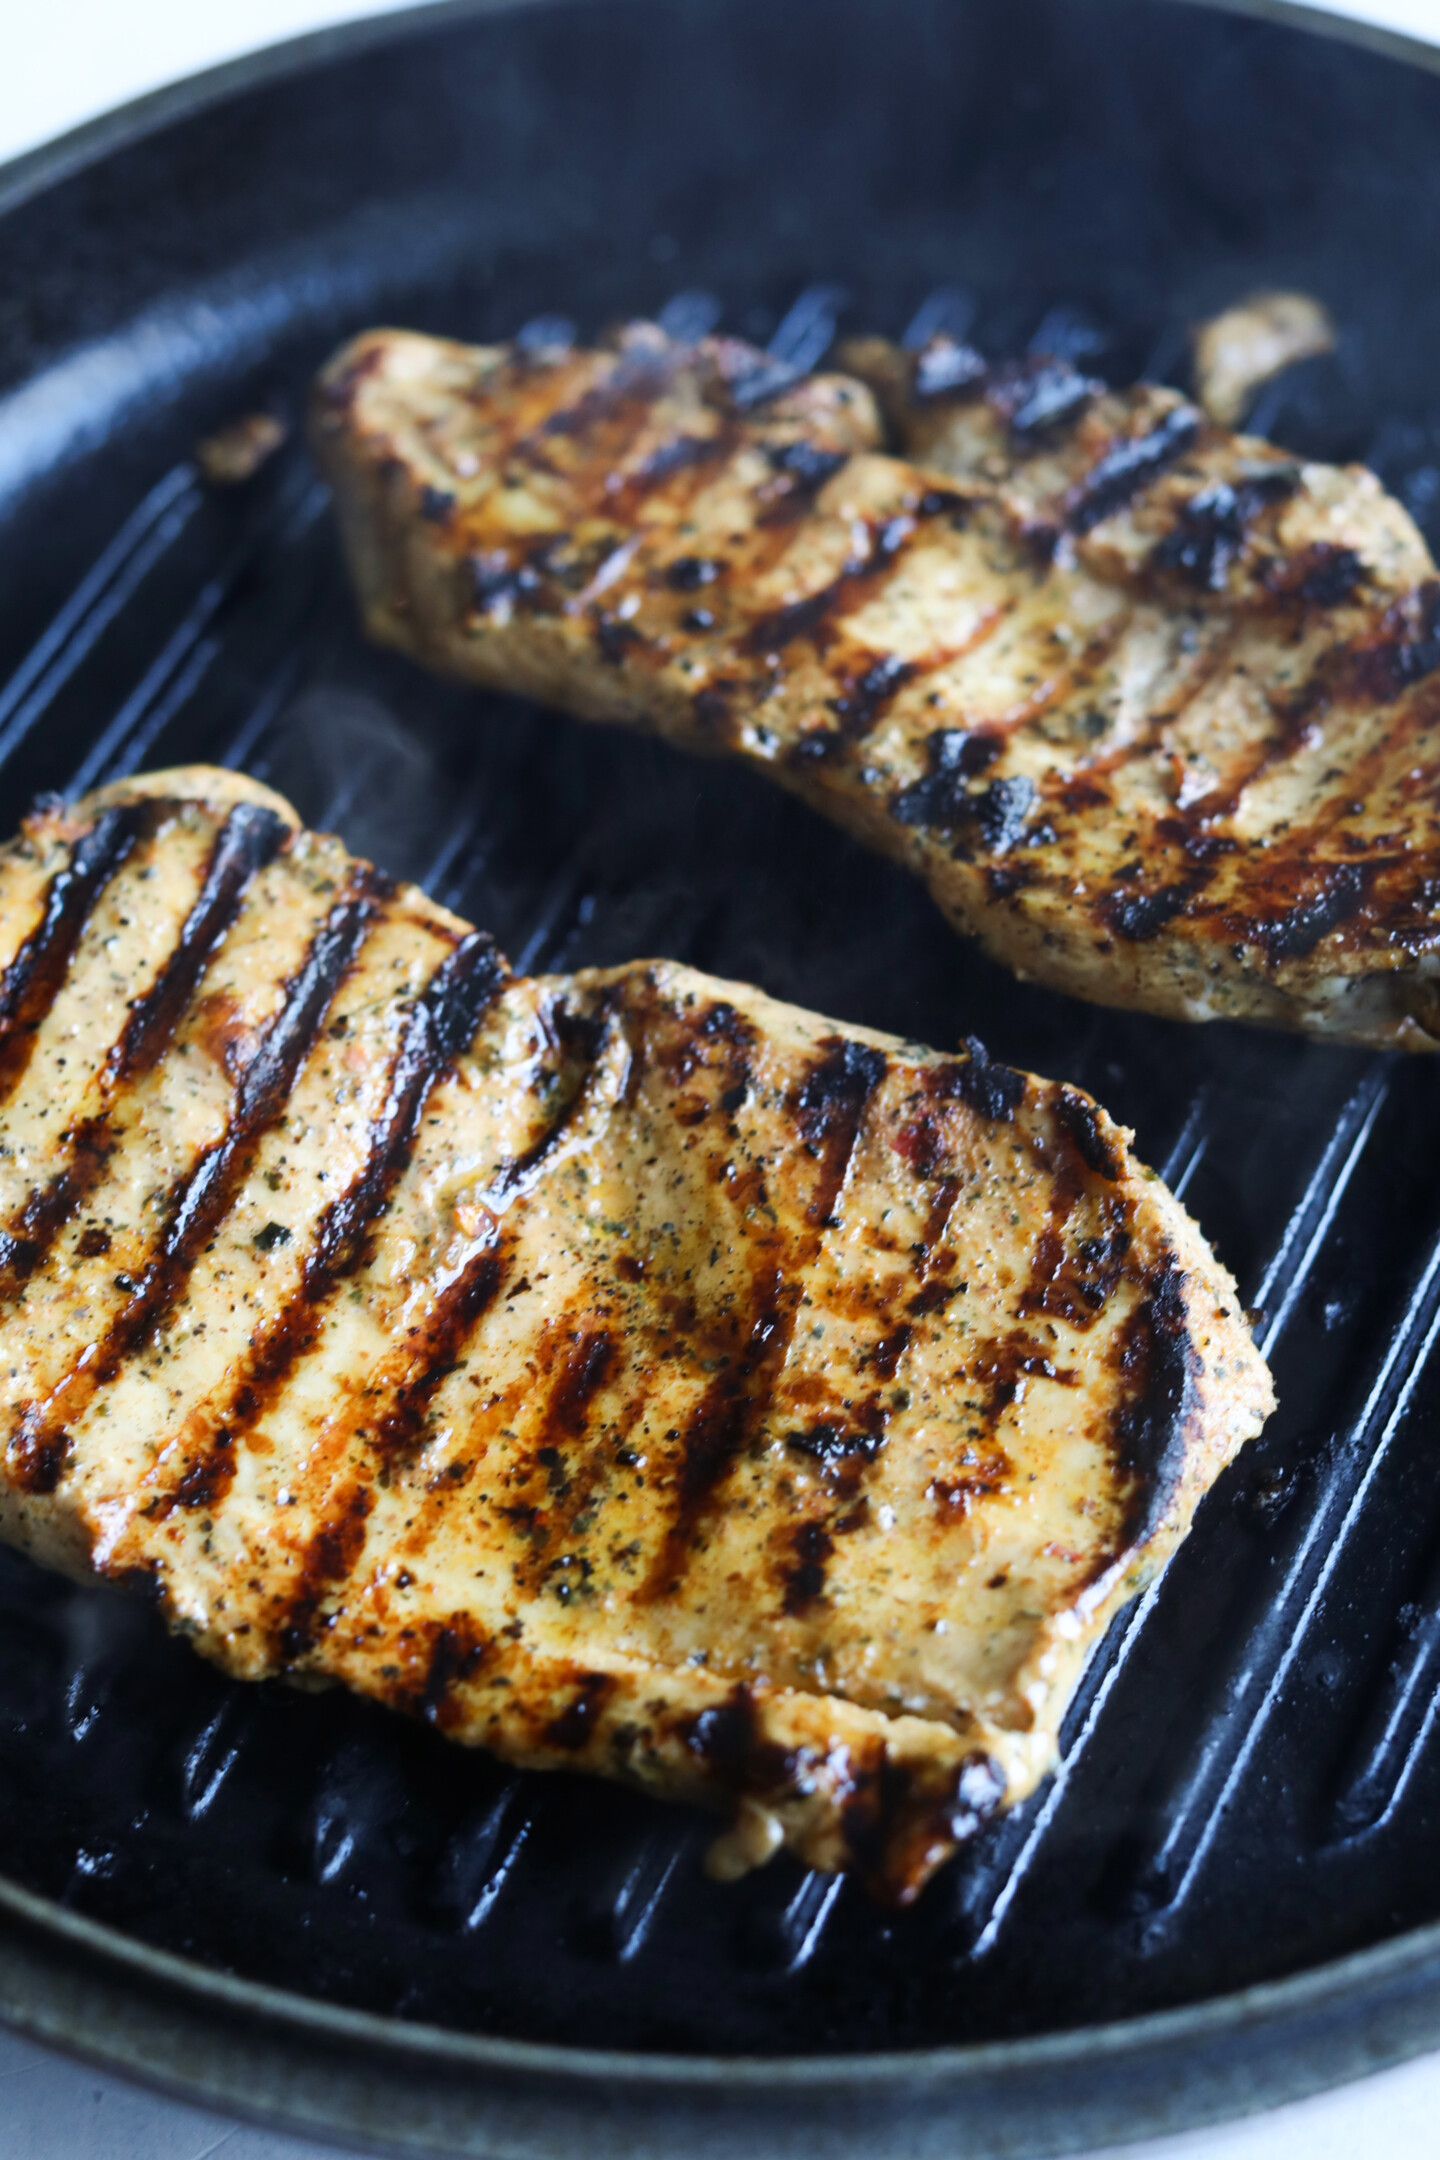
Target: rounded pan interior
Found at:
x=1094, y=173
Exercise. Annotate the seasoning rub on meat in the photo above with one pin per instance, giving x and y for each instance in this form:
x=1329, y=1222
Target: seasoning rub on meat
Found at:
x=1149, y=707
x=621, y=1371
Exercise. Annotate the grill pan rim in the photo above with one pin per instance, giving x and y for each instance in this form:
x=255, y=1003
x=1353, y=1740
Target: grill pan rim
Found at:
x=1266, y=2000
x=60, y=1972
x=195, y=2033
x=1063, y=2091
x=121, y=126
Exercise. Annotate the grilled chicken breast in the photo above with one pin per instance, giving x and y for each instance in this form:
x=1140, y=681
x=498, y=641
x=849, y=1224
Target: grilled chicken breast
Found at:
x=622, y=1371
x=1147, y=706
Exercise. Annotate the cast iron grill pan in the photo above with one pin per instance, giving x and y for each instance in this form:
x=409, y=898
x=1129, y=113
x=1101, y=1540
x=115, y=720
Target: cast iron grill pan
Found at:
x=1251, y=1781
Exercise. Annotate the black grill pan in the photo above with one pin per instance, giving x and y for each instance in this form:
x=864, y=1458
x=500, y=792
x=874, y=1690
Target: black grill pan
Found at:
x=301, y=1907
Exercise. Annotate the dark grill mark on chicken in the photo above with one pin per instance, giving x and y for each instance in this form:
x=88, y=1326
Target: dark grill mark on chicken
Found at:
x=575, y=1725
x=328, y=1559
x=441, y=1024
x=1073, y=1280
x=1158, y=1359
x=1211, y=529
x=462, y=1305
x=804, y=469
x=1405, y=652
x=456, y=1655
x=879, y=547
x=860, y=706
x=674, y=457
x=718, y=1427
x=995, y=1090
x=830, y=1444
x=1127, y=468
x=945, y=800
x=583, y=1372
x=805, y=1581
x=1141, y=915
x=829, y=1107
x=552, y=1359
x=688, y=573
x=204, y=1198
x=250, y=837
x=1040, y=395
x=1301, y=930
x=1077, y=1114
x=32, y=980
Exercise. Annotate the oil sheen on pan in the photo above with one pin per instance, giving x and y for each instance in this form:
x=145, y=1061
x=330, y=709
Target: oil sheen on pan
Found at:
x=1147, y=705
x=619, y=1371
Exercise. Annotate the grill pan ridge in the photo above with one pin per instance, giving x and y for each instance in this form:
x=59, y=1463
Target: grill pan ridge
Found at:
x=1251, y=1781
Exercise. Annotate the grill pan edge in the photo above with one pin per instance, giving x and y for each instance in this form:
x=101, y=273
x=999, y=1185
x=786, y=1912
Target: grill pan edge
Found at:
x=328, y=2072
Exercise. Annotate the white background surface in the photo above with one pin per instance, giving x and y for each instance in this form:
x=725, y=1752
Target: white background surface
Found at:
x=63, y=62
